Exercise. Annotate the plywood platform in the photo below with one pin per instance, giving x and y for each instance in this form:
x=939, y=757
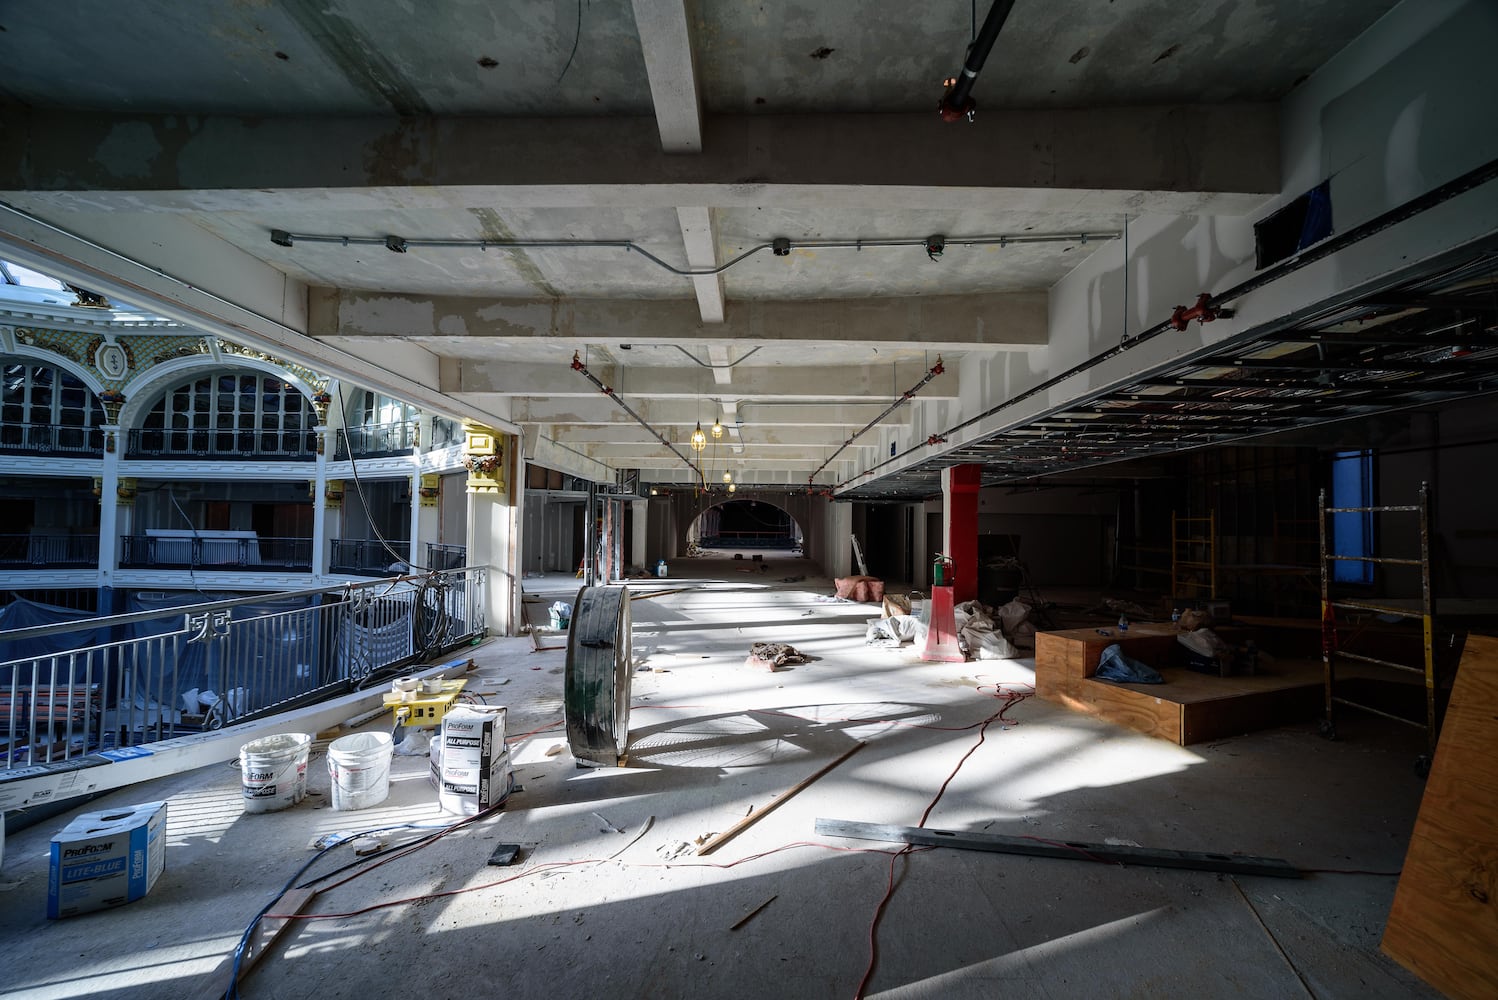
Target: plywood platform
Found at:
x=1189, y=707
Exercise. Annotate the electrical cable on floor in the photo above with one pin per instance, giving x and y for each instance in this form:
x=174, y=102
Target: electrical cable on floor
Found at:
x=1011, y=698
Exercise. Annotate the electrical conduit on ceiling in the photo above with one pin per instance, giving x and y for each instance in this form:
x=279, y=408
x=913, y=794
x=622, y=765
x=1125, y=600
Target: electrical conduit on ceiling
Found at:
x=909, y=394
x=781, y=246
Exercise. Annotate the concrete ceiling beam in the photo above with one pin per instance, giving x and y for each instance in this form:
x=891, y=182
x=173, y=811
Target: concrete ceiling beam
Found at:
x=867, y=161
x=663, y=413
x=1005, y=321
x=850, y=383
x=665, y=29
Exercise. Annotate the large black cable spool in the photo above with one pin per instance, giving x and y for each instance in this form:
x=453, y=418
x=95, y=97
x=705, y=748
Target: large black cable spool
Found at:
x=596, y=698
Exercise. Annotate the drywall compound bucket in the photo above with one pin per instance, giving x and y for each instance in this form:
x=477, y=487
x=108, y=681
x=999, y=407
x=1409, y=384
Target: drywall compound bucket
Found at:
x=275, y=771
x=359, y=766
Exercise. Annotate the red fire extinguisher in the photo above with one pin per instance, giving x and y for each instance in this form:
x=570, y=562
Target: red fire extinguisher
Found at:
x=943, y=572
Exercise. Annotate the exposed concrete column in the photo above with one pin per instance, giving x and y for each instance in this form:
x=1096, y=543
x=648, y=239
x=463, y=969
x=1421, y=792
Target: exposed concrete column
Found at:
x=837, y=544
x=920, y=555
x=639, y=529
x=959, y=490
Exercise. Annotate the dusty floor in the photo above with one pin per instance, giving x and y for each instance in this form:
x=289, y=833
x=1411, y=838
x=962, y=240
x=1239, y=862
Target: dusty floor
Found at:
x=592, y=912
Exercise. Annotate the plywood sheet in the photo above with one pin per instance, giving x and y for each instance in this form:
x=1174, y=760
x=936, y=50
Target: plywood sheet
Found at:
x=1443, y=925
x=1148, y=714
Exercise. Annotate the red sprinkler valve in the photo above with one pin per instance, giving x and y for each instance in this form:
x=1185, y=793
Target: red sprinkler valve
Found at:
x=1203, y=312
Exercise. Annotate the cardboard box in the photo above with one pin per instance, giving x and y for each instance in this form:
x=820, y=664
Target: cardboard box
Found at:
x=106, y=858
x=475, y=764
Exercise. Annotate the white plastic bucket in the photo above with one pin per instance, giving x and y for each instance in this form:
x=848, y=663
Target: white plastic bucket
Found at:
x=274, y=771
x=359, y=766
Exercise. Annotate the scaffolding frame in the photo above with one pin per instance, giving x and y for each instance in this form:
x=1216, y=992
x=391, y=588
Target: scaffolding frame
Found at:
x=1423, y=611
x=1186, y=569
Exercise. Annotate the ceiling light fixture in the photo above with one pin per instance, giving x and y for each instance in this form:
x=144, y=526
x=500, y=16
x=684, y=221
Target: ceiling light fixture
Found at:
x=732, y=487
x=728, y=477
x=699, y=439
x=717, y=428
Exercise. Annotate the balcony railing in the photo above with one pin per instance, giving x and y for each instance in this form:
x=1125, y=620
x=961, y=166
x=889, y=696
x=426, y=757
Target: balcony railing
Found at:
x=749, y=540
x=442, y=556
x=369, y=558
x=205, y=551
x=163, y=674
x=371, y=440
x=48, y=439
x=49, y=551
x=154, y=442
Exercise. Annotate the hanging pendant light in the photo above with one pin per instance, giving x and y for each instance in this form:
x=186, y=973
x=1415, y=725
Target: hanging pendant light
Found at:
x=699, y=439
x=732, y=487
x=727, y=477
x=717, y=429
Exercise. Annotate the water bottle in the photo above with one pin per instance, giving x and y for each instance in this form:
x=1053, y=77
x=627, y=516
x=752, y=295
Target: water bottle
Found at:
x=1175, y=616
x=1123, y=623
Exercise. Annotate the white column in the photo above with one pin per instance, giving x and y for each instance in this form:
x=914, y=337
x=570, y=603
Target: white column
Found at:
x=920, y=552
x=837, y=557
x=109, y=508
x=321, y=536
x=492, y=536
x=638, y=529
x=417, y=547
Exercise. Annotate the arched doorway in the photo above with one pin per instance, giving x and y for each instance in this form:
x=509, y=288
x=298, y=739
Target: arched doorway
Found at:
x=744, y=525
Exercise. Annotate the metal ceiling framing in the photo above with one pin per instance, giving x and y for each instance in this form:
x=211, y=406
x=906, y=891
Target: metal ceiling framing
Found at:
x=1424, y=342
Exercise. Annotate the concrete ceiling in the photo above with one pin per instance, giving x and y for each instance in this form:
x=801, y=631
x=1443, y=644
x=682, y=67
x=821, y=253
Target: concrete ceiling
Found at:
x=179, y=136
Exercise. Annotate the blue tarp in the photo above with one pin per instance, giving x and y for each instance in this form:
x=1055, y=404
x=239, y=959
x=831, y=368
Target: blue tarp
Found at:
x=22, y=613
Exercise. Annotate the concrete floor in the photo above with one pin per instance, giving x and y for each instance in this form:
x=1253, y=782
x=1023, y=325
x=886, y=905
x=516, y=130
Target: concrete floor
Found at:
x=711, y=738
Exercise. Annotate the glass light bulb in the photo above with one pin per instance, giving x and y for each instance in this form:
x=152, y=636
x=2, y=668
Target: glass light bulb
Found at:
x=732, y=487
x=717, y=429
x=728, y=477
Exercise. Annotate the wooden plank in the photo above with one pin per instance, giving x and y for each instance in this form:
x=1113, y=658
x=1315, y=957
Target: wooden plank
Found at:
x=1443, y=925
x=1069, y=850
x=267, y=931
x=733, y=831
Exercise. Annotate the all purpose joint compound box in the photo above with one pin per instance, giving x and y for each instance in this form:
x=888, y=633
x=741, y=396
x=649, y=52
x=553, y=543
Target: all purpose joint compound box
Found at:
x=475, y=765
x=107, y=858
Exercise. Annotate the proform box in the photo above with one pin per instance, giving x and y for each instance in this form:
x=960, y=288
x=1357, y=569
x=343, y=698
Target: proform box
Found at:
x=107, y=858
x=475, y=764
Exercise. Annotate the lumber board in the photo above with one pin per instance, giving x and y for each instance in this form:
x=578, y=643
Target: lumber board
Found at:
x=1070, y=850
x=733, y=831
x=1443, y=925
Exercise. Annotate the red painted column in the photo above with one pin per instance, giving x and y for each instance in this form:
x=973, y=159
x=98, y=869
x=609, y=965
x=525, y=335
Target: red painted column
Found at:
x=959, y=487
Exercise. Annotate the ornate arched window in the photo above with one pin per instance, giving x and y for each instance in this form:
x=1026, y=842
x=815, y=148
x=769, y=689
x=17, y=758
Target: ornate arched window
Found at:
x=230, y=414
x=44, y=409
x=378, y=425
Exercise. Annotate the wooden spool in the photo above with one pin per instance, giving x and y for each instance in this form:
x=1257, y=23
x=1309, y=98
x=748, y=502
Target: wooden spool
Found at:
x=596, y=699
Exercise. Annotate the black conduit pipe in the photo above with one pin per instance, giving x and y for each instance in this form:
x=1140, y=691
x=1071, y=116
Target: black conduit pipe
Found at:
x=957, y=103
x=1457, y=186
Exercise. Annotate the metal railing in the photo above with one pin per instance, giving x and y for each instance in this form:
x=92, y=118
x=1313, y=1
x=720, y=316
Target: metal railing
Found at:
x=749, y=539
x=161, y=674
x=369, y=557
x=396, y=438
x=48, y=551
x=154, y=442
x=266, y=555
x=445, y=556
x=47, y=439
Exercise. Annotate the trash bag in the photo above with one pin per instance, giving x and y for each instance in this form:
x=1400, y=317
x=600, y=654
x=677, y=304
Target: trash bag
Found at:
x=1011, y=615
x=1113, y=665
x=1207, y=652
x=892, y=631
